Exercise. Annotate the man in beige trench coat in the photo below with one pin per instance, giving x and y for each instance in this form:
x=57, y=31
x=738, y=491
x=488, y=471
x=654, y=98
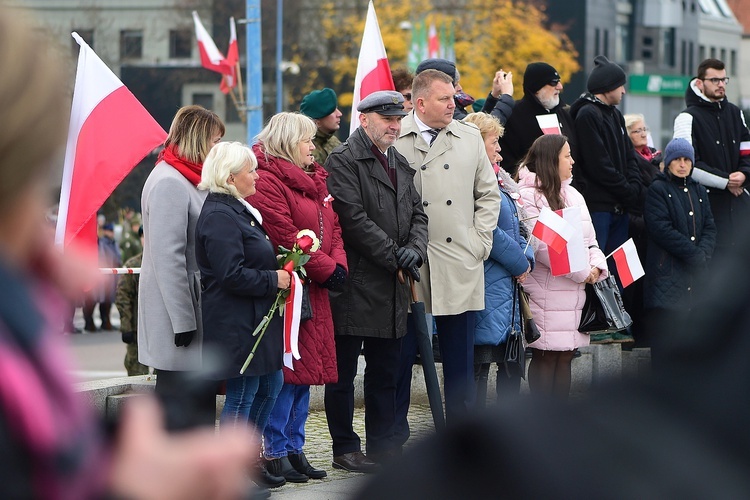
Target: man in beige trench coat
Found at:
x=461, y=198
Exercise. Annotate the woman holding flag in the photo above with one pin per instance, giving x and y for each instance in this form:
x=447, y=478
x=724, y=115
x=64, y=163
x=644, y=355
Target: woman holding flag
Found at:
x=292, y=196
x=557, y=300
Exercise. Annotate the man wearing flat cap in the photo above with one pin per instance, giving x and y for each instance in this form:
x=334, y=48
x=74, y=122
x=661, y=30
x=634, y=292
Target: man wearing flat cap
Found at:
x=384, y=228
x=540, y=105
x=606, y=171
x=322, y=107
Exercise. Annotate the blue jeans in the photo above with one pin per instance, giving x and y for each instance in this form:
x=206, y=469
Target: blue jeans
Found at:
x=285, y=430
x=251, y=399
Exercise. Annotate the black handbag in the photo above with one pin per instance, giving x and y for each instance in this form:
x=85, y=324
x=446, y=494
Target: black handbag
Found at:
x=530, y=330
x=515, y=357
x=306, y=312
x=603, y=311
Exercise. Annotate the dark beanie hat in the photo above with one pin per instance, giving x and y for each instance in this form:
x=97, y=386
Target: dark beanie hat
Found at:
x=318, y=103
x=537, y=75
x=605, y=76
x=443, y=65
x=678, y=148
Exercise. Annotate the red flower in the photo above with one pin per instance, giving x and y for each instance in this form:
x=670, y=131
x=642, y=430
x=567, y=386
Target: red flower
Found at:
x=305, y=243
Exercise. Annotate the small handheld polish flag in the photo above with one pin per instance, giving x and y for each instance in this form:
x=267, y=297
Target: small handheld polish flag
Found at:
x=553, y=230
x=629, y=267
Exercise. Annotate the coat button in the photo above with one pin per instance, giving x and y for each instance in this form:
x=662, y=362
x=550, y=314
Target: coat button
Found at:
x=446, y=166
x=252, y=223
x=448, y=202
x=690, y=213
x=423, y=167
x=389, y=259
x=425, y=203
x=448, y=239
x=692, y=238
x=685, y=189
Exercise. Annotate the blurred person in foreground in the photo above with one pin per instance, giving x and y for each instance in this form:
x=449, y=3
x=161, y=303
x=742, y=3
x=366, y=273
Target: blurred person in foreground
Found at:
x=50, y=444
x=292, y=195
x=240, y=279
x=510, y=262
x=170, y=330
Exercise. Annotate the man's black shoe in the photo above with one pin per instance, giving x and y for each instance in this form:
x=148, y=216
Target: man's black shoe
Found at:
x=300, y=464
x=355, y=461
x=265, y=478
x=282, y=467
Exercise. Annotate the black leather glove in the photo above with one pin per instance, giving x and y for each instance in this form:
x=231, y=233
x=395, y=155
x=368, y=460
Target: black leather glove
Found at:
x=128, y=337
x=407, y=258
x=414, y=271
x=336, y=280
x=184, y=339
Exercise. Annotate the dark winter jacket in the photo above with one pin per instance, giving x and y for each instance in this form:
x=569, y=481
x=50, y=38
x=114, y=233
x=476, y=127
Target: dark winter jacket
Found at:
x=499, y=107
x=375, y=219
x=291, y=200
x=716, y=130
x=522, y=129
x=239, y=284
x=682, y=235
x=605, y=172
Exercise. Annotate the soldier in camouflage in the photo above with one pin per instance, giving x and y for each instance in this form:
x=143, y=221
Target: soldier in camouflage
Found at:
x=127, y=304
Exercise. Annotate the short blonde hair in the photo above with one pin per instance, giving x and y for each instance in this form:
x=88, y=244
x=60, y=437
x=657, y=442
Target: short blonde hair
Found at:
x=487, y=124
x=283, y=134
x=225, y=159
x=192, y=131
x=632, y=119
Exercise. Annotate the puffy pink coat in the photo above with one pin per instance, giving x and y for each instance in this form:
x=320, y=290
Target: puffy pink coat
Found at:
x=290, y=200
x=557, y=301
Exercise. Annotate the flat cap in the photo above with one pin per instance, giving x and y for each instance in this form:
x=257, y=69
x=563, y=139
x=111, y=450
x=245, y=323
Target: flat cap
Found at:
x=444, y=65
x=383, y=102
x=319, y=103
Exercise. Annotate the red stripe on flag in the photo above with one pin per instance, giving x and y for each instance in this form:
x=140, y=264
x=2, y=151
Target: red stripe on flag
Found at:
x=623, y=269
x=378, y=79
x=549, y=236
x=559, y=263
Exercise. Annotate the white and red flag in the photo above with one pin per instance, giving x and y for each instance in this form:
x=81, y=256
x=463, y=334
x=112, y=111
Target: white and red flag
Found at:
x=744, y=148
x=553, y=230
x=549, y=124
x=629, y=267
x=233, y=56
x=373, y=70
x=211, y=57
x=433, y=42
x=574, y=256
x=109, y=133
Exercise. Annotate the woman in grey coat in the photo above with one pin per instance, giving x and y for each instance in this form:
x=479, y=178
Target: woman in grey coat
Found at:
x=170, y=336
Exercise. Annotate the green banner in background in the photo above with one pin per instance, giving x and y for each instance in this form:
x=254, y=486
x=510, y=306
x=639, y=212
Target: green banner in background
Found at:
x=663, y=85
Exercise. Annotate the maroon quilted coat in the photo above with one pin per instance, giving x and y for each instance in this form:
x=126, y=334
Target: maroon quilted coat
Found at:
x=290, y=200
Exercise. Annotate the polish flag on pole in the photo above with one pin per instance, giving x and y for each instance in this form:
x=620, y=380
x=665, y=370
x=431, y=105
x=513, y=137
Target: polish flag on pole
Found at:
x=548, y=124
x=373, y=70
x=553, y=230
x=628, y=263
x=574, y=257
x=109, y=133
x=233, y=56
x=211, y=58
x=433, y=42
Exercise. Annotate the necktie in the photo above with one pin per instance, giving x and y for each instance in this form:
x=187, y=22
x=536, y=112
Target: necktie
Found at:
x=433, y=133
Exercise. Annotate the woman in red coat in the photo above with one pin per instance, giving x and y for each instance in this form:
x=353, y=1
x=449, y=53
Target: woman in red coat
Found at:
x=292, y=195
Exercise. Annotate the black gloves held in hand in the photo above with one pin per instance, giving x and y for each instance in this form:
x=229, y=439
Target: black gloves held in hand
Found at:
x=128, y=337
x=414, y=271
x=336, y=280
x=407, y=258
x=183, y=339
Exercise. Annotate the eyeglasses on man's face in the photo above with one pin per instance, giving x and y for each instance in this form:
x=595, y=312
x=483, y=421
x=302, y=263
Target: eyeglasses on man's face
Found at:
x=717, y=81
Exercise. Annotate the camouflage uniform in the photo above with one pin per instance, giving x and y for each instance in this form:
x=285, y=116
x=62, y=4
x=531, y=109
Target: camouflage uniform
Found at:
x=324, y=144
x=130, y=246
x=127, y=304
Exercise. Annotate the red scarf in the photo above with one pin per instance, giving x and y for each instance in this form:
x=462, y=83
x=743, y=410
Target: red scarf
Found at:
x=191, y=171
x=646, y=153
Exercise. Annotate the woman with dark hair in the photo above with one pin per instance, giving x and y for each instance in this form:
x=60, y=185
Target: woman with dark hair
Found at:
x=170, y=330
x=556, y=301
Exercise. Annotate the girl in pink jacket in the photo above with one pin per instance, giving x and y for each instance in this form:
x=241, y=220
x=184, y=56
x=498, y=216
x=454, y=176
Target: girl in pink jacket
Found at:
x=556, y=301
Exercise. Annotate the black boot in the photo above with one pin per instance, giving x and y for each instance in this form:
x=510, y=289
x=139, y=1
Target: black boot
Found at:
x=300, y=464
x=265, y=478
x=282, y=467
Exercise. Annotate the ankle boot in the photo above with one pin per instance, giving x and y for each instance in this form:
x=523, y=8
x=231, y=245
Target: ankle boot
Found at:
x=300, y=464
x=282, y=467
x=266, y=478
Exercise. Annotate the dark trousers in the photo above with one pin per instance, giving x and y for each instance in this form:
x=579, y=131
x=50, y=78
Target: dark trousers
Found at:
x=188, y=400
x=611, y=232
x=382, y=361
x=456, y=336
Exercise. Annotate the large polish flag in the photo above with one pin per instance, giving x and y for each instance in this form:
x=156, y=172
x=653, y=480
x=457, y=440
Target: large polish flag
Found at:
x=233, y=56
x=373, y=70
x=574, y=256
x=433, y=42
x=629, y=267
x=553, y=230
x=211, y=57
x=109, y=133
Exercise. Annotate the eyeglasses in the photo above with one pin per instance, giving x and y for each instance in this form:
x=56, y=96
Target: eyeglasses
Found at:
x=717, y=81
x=407, y=97
x=642, y=130
x=553, y=83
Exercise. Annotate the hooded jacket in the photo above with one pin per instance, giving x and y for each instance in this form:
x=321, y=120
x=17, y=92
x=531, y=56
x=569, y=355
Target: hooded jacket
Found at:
x=607, y=173
x=523, y=129
x=716, y=130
